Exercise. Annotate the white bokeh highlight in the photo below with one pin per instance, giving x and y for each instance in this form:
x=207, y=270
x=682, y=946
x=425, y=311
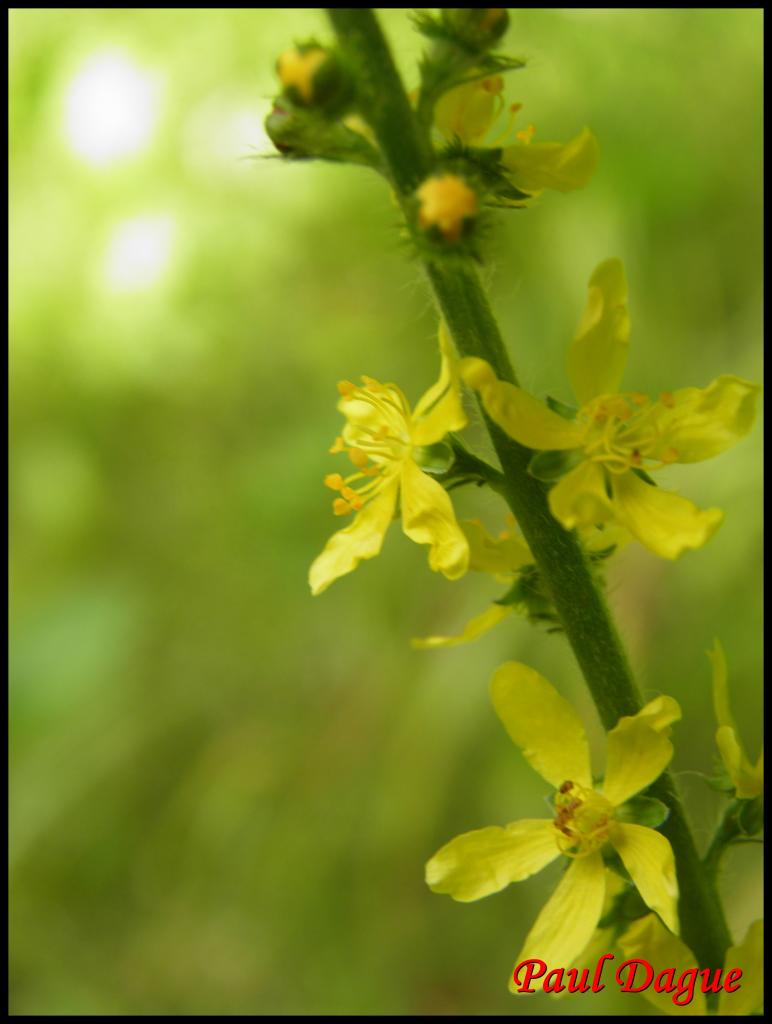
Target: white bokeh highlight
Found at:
x=138, y=252
x=111, y=108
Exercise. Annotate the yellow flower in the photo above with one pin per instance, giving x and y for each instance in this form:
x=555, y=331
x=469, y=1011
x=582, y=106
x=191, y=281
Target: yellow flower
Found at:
x=469, y=112
x=748, y=779
x=648, y=940
x=447, y=202
x=505, y=558
x=502, y=557
x=384, y=440
x=615, y=434
x=296, y=69
x=552, y=739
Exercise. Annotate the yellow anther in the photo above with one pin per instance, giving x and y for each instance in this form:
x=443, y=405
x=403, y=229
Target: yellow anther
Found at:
x=493, y=85
x=334, y=481
x=341, y=507
x=670, y=455
x=668, y=399
x=638, y=398
x=345, y=388
x=358, y=457
x=526, y=135
x=337, y=446
x=371, y=383
x=446, y=202
x=349, y=494
x=297, y=69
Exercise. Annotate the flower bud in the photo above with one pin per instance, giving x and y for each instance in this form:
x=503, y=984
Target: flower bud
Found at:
x=478, y=28
x=314, y=77
x=447, y=203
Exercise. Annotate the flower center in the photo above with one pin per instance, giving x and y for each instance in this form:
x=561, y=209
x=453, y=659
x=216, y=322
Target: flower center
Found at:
x=377, y=440
x=581, y=819
x=624, y=432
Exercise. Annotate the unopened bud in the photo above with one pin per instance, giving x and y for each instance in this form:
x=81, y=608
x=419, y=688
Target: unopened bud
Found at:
x=478, y=27
x=447, y=204
x=314, y=77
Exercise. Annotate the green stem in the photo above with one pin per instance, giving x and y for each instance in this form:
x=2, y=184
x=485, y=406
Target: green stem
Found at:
x=564, y=566
x=730, y=830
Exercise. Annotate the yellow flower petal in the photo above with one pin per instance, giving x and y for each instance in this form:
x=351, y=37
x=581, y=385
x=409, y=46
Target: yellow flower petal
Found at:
x=604, y=536
x=440, y=410
x=720, y=685
x=664, y=522
x=428, y=518
x=579, y=499
x=598, y=353
x=568, y=919
x=519, y=414
x=361, y=539
x=749, y=958
x=475, y=628
x=698, y=423
x=468, y=111
x=542, y=723
x=498, y=556
x=602, y=938
x=638, y=750
x=479, y=863
x=564, y=167
x=648, y=856
x=748, y=778
x=648, y=939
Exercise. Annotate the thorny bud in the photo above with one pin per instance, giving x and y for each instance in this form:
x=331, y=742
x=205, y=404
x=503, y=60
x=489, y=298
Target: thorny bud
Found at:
x=314, y=77
x=478, y=28
x=447, y=203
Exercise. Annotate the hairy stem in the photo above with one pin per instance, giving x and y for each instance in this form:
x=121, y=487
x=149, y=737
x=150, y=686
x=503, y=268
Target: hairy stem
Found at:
x=564, y=566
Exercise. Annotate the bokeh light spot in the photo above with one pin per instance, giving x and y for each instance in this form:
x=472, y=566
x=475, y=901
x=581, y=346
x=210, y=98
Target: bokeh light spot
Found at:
x=110, y=108
x=138, y=252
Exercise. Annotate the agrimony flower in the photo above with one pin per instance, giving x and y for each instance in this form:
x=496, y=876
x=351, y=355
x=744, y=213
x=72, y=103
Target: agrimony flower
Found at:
x=386, y=441
x=469, y=113
x=587, y=819
x=617, y=439
x=649, y=940
x=747, y=778
x=509, y=560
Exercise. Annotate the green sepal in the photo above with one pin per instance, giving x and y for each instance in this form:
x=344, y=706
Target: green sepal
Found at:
x=435, y=459
x=549, y=466
x=483, y=168
x=568, y=412
x=750, y=816
x=643, y=810
x=644, y=476
x=528, y=595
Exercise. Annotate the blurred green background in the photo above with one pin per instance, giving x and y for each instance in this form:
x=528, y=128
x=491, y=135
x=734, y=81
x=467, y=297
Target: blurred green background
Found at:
x=223, y=791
